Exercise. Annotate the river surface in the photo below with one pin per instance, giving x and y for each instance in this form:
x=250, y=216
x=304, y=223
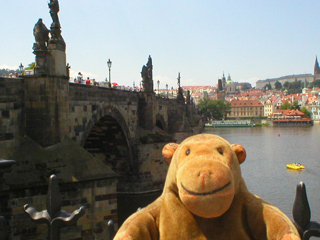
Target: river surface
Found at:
x=269, y=149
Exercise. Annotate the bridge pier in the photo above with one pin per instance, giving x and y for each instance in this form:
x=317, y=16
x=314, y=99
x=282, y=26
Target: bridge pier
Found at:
x=46, y=108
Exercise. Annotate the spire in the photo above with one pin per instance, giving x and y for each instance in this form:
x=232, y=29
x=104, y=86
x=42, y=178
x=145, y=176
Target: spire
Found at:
x=316, y=67
x=223, y=77
x=229, y=78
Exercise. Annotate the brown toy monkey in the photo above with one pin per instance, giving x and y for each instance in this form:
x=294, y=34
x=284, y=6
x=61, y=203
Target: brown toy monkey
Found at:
x=205, y=197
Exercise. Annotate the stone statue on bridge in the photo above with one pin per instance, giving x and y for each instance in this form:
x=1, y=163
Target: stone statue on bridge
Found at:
x=180, y=96
x=40, y=47
x=146, y=75
x=188, y=98
x=54, y=9
x=41, y=34
x=56, y=42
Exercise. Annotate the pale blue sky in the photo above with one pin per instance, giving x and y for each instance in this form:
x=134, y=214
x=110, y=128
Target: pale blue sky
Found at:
x=251, y=40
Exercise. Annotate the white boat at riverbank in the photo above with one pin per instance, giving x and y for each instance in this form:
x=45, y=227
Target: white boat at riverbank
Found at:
x=230, y=123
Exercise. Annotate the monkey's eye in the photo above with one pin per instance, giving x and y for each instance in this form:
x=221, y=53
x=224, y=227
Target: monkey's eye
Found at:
x=188, y=152
x=220, y=151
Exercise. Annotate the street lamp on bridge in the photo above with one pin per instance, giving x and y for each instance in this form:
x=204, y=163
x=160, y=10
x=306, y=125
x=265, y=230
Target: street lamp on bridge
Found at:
x=167, y=91
x=109, y=66
x=21, y=68
x=158, y=87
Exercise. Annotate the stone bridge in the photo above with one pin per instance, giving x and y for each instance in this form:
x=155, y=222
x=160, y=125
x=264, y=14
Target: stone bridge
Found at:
x=121, y=128
x=102, y=143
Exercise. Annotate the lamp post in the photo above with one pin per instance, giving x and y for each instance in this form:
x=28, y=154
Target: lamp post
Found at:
x=158, y=87
x=167, y=90
x=21, y=68
x=109, y=66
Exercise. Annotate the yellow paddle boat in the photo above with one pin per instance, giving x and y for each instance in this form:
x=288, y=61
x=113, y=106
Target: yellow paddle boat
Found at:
x=295, y=166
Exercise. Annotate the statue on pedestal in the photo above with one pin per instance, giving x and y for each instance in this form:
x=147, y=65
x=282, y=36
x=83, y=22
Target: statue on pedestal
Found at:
x=40, y=47
x=146, y=75
x=188, y=98
x=54, y=9
x=56, y=42
x=41, y=34
x=180, y=96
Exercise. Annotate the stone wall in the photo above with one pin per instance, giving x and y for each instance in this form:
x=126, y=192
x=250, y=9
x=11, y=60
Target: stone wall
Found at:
x=84, y=181
x=98, y=197
x=90, y=103
x=152, y=166
x=12, y=118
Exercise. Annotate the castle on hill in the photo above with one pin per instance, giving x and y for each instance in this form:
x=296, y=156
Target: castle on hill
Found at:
x=292, y=78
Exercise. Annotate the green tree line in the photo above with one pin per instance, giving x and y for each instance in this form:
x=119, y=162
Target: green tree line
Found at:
x=213, y=109
x=291, y=87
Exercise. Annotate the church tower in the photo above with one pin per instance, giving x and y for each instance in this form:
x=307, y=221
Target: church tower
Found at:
x=224, y=82
x=316, y=67
x=316, y=72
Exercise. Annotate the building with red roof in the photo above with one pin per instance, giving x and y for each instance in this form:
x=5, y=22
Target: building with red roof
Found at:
x=246, y=108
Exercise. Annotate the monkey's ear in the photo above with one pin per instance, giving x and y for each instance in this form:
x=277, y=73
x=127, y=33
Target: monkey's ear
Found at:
x=168, y=151
x=240, y=152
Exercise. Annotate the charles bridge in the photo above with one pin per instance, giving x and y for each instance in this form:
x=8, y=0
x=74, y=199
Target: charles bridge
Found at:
x=100, y=143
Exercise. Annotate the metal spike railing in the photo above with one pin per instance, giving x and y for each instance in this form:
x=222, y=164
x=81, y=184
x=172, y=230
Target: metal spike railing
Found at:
x=53, y=216
x=302, y=214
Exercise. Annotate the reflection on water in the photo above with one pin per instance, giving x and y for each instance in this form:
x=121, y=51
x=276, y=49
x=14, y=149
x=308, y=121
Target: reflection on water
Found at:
x=269, y=149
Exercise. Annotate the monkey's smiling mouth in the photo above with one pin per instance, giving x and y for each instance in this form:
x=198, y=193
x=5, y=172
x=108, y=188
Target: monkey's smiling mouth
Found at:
x=206, y=193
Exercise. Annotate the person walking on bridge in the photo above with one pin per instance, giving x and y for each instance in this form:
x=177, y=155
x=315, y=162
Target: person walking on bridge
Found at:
x=79, y=78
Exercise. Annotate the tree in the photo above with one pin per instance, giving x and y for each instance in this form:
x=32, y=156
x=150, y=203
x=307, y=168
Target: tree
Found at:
x=286, y=85
x=267, y=87
x=30, y=66
x=246, y=86
x=306, y=112
x=296, y=105
x=286, y=105
x=315, y=83
x=213, y=109
x=277, y=85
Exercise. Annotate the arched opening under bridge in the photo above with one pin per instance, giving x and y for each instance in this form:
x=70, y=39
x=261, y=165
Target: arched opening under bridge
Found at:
x=107, y=142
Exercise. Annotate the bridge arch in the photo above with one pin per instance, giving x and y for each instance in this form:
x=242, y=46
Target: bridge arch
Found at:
x=161, y=123
x=107, y=138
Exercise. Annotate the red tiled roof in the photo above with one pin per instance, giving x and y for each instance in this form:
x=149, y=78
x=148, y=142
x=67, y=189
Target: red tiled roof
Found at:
x=289, y=112
x=246, y=103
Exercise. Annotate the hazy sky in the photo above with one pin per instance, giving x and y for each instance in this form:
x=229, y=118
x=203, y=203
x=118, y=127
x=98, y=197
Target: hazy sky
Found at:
x=251, y=40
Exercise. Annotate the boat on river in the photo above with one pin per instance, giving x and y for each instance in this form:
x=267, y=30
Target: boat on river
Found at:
x=298, y=122
x=230, y=123
x=295, y=166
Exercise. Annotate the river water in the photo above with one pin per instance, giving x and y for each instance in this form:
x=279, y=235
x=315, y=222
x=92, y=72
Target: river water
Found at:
x=269, y=149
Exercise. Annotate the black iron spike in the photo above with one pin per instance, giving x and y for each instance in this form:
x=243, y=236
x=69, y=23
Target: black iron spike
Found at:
x=54, y=217
x=301, y=209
